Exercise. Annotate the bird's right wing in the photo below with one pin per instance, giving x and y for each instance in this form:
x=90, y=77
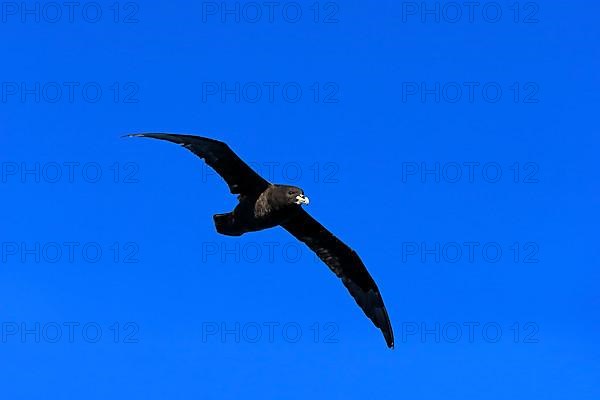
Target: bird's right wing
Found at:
x=347, y=265
x=238, y=175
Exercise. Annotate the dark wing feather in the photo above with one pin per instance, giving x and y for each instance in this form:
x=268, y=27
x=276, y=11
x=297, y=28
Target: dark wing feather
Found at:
x=346, y=264
x=240, y=178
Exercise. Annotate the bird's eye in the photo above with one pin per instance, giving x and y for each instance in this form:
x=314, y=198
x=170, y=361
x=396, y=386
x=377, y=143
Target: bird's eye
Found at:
x=291, y=192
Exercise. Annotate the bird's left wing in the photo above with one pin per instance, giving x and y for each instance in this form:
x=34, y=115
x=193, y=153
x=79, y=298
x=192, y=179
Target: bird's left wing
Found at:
x=346, y=264
x=238, y=175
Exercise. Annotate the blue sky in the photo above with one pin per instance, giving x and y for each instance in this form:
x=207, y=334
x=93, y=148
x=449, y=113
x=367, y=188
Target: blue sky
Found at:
x=453, y=147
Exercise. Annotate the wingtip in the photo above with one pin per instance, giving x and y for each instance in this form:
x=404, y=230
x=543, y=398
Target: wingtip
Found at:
x=382, y=321
x=389, y=339
x=132, y=135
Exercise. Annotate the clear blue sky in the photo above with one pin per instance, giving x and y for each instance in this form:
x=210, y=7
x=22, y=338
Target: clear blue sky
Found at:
x=454, y=148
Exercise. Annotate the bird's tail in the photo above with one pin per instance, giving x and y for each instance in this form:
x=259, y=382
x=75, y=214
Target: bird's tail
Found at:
x=225, y=224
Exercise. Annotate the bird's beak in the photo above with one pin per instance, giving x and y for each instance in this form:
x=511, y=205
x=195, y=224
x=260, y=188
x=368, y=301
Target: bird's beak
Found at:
x=302, y=199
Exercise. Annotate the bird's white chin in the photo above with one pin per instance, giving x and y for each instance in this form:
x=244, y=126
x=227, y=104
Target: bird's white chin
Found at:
x=302, y=199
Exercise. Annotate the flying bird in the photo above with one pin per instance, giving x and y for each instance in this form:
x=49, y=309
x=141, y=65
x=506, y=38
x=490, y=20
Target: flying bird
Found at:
x=265, y=205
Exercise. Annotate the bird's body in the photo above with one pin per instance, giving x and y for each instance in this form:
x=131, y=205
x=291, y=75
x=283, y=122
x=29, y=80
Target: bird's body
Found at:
x=260, y=211
x=263, y=205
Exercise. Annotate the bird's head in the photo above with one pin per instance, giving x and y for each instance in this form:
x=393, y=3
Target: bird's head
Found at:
x=289, y=195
